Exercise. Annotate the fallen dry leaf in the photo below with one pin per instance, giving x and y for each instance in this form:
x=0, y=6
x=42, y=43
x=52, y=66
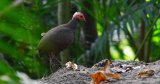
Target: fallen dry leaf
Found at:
x=104, y=75
x=71, y=65
x=115, y=76
x=98, y=77
x=145, y=73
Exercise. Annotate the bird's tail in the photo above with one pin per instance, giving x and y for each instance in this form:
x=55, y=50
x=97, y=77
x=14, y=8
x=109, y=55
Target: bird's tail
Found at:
x=44, y=57
x=40, y=53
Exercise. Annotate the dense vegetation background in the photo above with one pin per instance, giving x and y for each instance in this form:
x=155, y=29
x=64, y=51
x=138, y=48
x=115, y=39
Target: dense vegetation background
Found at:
x=114, y=29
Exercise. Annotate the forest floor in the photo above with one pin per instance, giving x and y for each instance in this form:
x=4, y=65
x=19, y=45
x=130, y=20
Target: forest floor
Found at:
x=130, y=72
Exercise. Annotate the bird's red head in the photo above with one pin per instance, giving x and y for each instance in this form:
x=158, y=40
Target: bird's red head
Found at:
x=79, y=16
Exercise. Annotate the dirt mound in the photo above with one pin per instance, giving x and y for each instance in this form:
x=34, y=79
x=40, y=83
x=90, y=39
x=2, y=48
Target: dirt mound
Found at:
x=130, y=72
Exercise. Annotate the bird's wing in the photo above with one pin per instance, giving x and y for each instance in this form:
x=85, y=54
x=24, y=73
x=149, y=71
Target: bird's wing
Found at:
x=56, y=39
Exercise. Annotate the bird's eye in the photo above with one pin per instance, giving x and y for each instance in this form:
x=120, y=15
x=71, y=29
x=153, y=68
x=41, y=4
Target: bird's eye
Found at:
x=81, y=16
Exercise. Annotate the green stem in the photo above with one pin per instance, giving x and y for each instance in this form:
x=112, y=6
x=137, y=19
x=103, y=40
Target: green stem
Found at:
x=149, y=32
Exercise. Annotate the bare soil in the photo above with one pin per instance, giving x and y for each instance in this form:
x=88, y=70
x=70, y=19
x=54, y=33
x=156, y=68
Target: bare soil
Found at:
x=129, y=74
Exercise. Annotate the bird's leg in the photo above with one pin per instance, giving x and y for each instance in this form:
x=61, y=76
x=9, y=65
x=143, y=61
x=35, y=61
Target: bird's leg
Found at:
x=51, y=62
x=54, y=62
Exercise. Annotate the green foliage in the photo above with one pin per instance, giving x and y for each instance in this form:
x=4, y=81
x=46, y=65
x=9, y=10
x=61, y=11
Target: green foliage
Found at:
x=122, y=19
x=20, y=31
x=7, y=74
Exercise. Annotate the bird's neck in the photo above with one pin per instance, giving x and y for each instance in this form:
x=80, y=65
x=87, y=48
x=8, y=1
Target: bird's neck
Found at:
x=72, y=24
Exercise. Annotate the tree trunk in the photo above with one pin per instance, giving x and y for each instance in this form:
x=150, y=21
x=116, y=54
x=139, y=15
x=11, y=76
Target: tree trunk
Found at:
x=142, y=35
x=89, y=29
x=63, y=16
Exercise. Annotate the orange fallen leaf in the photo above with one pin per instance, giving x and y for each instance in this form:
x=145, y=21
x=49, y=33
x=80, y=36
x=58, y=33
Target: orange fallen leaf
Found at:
x=107, y=66
x=98, y=77
x=113, y=75
x=104, y=75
